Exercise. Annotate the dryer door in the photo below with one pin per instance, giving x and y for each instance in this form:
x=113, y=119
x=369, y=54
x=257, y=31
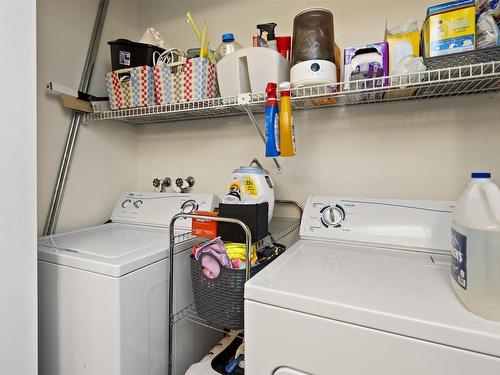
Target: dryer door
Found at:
x=288, y=371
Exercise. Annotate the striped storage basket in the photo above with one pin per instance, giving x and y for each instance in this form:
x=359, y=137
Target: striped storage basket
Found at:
x=131, y=87
x=194, y=80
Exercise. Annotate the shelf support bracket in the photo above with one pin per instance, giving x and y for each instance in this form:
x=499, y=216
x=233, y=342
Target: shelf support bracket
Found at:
x=76, y=119
x=253, y=120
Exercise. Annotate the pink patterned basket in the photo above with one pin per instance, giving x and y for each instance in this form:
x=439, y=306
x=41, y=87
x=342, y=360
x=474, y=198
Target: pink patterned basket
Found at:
x=131, y=87
x=195, y=80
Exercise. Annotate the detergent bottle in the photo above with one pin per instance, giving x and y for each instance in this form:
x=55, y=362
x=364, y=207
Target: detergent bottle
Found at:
x=251, y=185
x=475, y=261
x=272, y=122
x=287, y=135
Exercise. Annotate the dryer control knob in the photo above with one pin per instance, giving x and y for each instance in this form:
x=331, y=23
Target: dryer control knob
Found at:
x=333, y=216
x=138, y=203
x=126, y=202
x=189, y=207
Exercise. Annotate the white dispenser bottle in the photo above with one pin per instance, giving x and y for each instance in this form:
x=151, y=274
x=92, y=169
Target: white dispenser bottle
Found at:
x=475, y=262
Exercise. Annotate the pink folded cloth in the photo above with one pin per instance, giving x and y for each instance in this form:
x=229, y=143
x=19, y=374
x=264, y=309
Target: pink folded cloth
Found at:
x=208, y=253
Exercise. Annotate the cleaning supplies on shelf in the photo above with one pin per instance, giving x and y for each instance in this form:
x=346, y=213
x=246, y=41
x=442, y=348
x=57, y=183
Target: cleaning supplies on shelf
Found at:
x=449, y=28
x=476, y=247
x=270, y=39
x=488, y=34
x=287, y=131
x=313, y=48
x=272, y=122
x=488, y=24
x=404, y=46
x=368, y=61
x=228, y=45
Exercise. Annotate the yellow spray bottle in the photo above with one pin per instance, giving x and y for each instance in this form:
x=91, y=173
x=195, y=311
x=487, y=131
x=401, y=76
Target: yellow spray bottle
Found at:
x=287, y=133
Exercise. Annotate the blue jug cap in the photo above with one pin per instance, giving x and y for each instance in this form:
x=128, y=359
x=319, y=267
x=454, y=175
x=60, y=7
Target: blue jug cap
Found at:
x=228, y=37
x=481, y=175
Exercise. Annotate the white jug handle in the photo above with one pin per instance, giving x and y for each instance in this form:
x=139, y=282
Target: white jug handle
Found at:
x=492, y=194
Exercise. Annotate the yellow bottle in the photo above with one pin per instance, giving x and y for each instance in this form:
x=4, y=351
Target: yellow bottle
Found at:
x=287, y=133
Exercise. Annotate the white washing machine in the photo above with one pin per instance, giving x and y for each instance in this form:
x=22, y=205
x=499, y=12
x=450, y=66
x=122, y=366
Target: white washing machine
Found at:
x=103, y=292
x=366, y=290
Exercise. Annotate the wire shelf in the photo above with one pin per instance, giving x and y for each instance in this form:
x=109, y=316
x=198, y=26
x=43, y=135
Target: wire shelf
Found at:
x=445, y=82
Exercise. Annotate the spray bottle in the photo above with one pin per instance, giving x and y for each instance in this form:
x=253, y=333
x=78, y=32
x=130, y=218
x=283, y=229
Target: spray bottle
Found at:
x=287, y=133
x=272, y=122
x=271, y=38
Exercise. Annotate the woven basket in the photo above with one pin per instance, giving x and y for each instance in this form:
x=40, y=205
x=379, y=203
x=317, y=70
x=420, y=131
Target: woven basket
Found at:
x=220, y=300
x=195, y=80
x=131, y=87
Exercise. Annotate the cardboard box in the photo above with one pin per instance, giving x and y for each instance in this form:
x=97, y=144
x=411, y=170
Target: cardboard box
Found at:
x=449, y=28
x=204, y=228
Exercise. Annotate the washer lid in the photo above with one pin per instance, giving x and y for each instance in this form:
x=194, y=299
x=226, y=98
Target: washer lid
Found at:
x=111, y=249
x=403, y=292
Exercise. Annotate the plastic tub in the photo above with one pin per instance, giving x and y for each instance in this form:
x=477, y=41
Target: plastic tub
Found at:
x=128, y=54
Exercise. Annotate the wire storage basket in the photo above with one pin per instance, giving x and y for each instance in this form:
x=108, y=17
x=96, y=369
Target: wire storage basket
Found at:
x=220, y=300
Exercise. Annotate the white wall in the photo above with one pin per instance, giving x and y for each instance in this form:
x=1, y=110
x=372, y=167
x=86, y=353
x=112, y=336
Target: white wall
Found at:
x=413, y=150
x=105, y=158
x=18, y=337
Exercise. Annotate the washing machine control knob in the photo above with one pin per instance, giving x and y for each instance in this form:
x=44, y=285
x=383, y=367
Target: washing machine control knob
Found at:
x=189, y=207
x=333, y=216
x=138, y=203
x=126, y=202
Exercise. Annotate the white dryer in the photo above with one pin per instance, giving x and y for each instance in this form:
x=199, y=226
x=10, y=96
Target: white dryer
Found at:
x=366, y=290
x=103, y=292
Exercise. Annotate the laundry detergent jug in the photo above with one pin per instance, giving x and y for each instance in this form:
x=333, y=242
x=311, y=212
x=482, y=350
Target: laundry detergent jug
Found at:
x=475, y=261
x=251, y=185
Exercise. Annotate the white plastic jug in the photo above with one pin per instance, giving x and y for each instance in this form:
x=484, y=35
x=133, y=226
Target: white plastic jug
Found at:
x=475, y=262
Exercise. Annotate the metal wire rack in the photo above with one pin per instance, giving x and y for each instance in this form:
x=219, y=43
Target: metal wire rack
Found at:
x=451, y=81
x=278, y=229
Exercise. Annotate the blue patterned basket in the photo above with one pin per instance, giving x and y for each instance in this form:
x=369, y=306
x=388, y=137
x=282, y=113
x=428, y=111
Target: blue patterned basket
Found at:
x=195, y=80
